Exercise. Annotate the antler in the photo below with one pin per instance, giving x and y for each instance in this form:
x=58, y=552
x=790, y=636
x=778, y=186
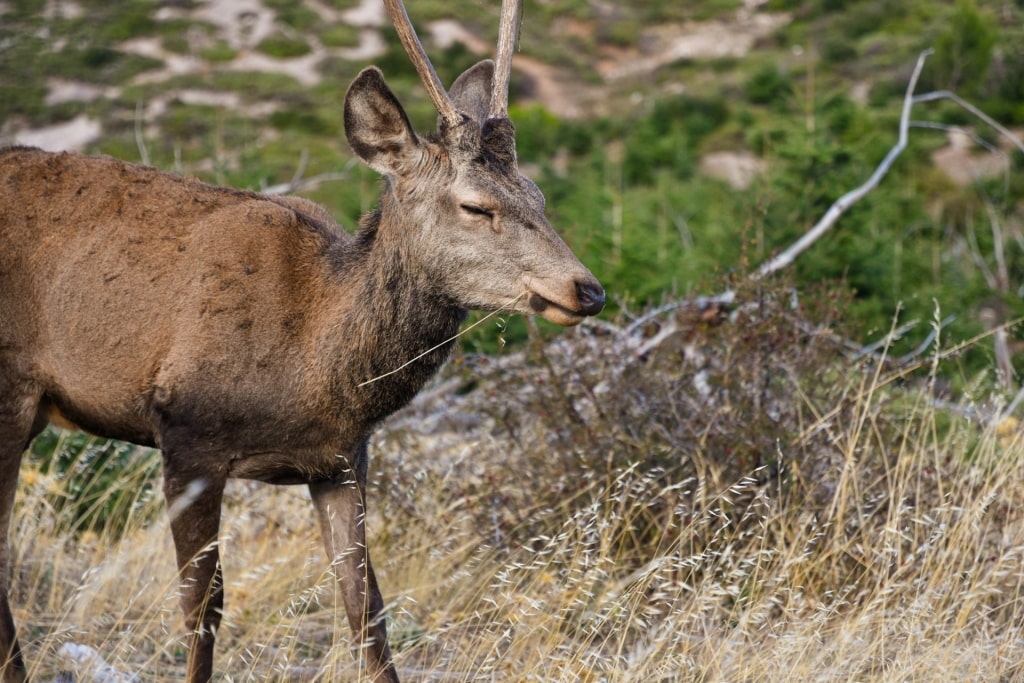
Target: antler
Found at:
x=507, y=35
x=407, y=34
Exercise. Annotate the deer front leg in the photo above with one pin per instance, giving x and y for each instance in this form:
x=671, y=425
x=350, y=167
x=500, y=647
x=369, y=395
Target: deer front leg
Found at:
x=20, y=422
x=341, y=505
x=193, y=503
x=12, y=665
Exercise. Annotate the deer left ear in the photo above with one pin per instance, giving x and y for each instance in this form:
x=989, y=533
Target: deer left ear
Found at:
x=377, y=127
x=471, y=92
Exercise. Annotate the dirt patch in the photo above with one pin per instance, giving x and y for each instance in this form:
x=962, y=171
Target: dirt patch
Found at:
x=59, y=91
x=663, y=45
x=738, y=169
x=302, y=69
x=961, y=165
x=75, y=134
x=242, y=23
x=367, y=13
x=62, y=9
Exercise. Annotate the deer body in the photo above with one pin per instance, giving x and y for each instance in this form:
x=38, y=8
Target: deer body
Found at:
x=269, y=292
x=251, y=336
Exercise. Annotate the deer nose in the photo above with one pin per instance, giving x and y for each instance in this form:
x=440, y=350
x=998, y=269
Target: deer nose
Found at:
x=590, y=296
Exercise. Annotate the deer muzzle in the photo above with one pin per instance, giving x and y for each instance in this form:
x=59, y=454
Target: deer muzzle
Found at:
x=588, y=299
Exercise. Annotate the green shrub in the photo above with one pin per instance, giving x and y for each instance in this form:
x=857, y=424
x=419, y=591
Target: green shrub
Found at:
x=963, y=52
x=130, y=20
x=283, y=46
x=339, y=35
x=220, y=51
x=96, y=64
x=302, y=120
x=838, y=49
x=295, y=14
x=669, y=136
x=769, y=86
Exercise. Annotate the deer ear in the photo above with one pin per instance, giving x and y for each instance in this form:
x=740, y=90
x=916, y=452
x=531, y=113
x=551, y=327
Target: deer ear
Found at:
x=471, y=92
x=377, y=127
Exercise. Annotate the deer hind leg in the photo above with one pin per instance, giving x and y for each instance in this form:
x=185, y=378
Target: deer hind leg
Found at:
x=193, y=503
x=20, y=421
x=340, y=505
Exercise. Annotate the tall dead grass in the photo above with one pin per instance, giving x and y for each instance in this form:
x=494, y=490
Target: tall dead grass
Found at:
x=711, y=494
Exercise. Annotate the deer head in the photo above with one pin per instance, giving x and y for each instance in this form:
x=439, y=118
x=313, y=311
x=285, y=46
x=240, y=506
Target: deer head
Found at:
x=482, y=223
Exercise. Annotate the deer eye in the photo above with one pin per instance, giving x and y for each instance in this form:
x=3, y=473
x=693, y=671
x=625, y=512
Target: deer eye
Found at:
x=477, y=210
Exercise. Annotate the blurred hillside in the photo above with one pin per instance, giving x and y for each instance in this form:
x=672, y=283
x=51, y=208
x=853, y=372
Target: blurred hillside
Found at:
x=675, y=140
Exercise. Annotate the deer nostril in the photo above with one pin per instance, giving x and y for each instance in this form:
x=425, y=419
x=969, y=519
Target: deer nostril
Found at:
x=591, y=297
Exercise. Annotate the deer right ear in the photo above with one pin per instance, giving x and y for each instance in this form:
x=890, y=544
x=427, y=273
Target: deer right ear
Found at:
x=377, y=127
x=471, y=92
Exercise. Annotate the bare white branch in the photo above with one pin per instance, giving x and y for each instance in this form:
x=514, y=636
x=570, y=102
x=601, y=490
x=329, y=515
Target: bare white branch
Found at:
x=298, y=183
x=947, y=95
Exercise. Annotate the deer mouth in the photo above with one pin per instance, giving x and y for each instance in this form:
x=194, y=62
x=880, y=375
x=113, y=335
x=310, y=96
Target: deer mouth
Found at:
x=552, y=301
x=553, y=312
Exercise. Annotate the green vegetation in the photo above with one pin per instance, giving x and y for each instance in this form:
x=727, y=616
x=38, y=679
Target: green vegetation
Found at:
x=338, y=35
x=294, y=14
x=218, y=52
x=95, y=485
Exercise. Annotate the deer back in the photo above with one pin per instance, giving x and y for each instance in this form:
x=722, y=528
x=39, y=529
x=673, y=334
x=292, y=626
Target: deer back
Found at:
x=117, y=278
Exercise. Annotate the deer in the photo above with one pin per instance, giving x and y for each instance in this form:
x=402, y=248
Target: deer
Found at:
x=250, y=336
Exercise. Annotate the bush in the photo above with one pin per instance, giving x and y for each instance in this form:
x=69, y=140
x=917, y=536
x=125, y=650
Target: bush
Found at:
x=669, y=136
x=97, y=64
x=711, y=391
x=294, y=14
x=220, y=51
x=339, y=35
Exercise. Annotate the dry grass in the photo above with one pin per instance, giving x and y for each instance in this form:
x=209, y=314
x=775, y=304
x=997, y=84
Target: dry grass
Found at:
x=863, y=535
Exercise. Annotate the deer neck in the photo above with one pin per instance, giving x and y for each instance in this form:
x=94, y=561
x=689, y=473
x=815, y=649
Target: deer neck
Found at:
x=393, y=332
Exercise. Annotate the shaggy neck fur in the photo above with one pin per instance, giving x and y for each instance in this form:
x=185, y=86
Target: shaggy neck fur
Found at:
x=398, y=318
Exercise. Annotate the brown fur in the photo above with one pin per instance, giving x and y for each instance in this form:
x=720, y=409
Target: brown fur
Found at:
x=236, y=331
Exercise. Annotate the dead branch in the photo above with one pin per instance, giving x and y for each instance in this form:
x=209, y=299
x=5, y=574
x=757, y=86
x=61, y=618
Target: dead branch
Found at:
x=947, y=95
x=140, y=140
x=298, y=183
